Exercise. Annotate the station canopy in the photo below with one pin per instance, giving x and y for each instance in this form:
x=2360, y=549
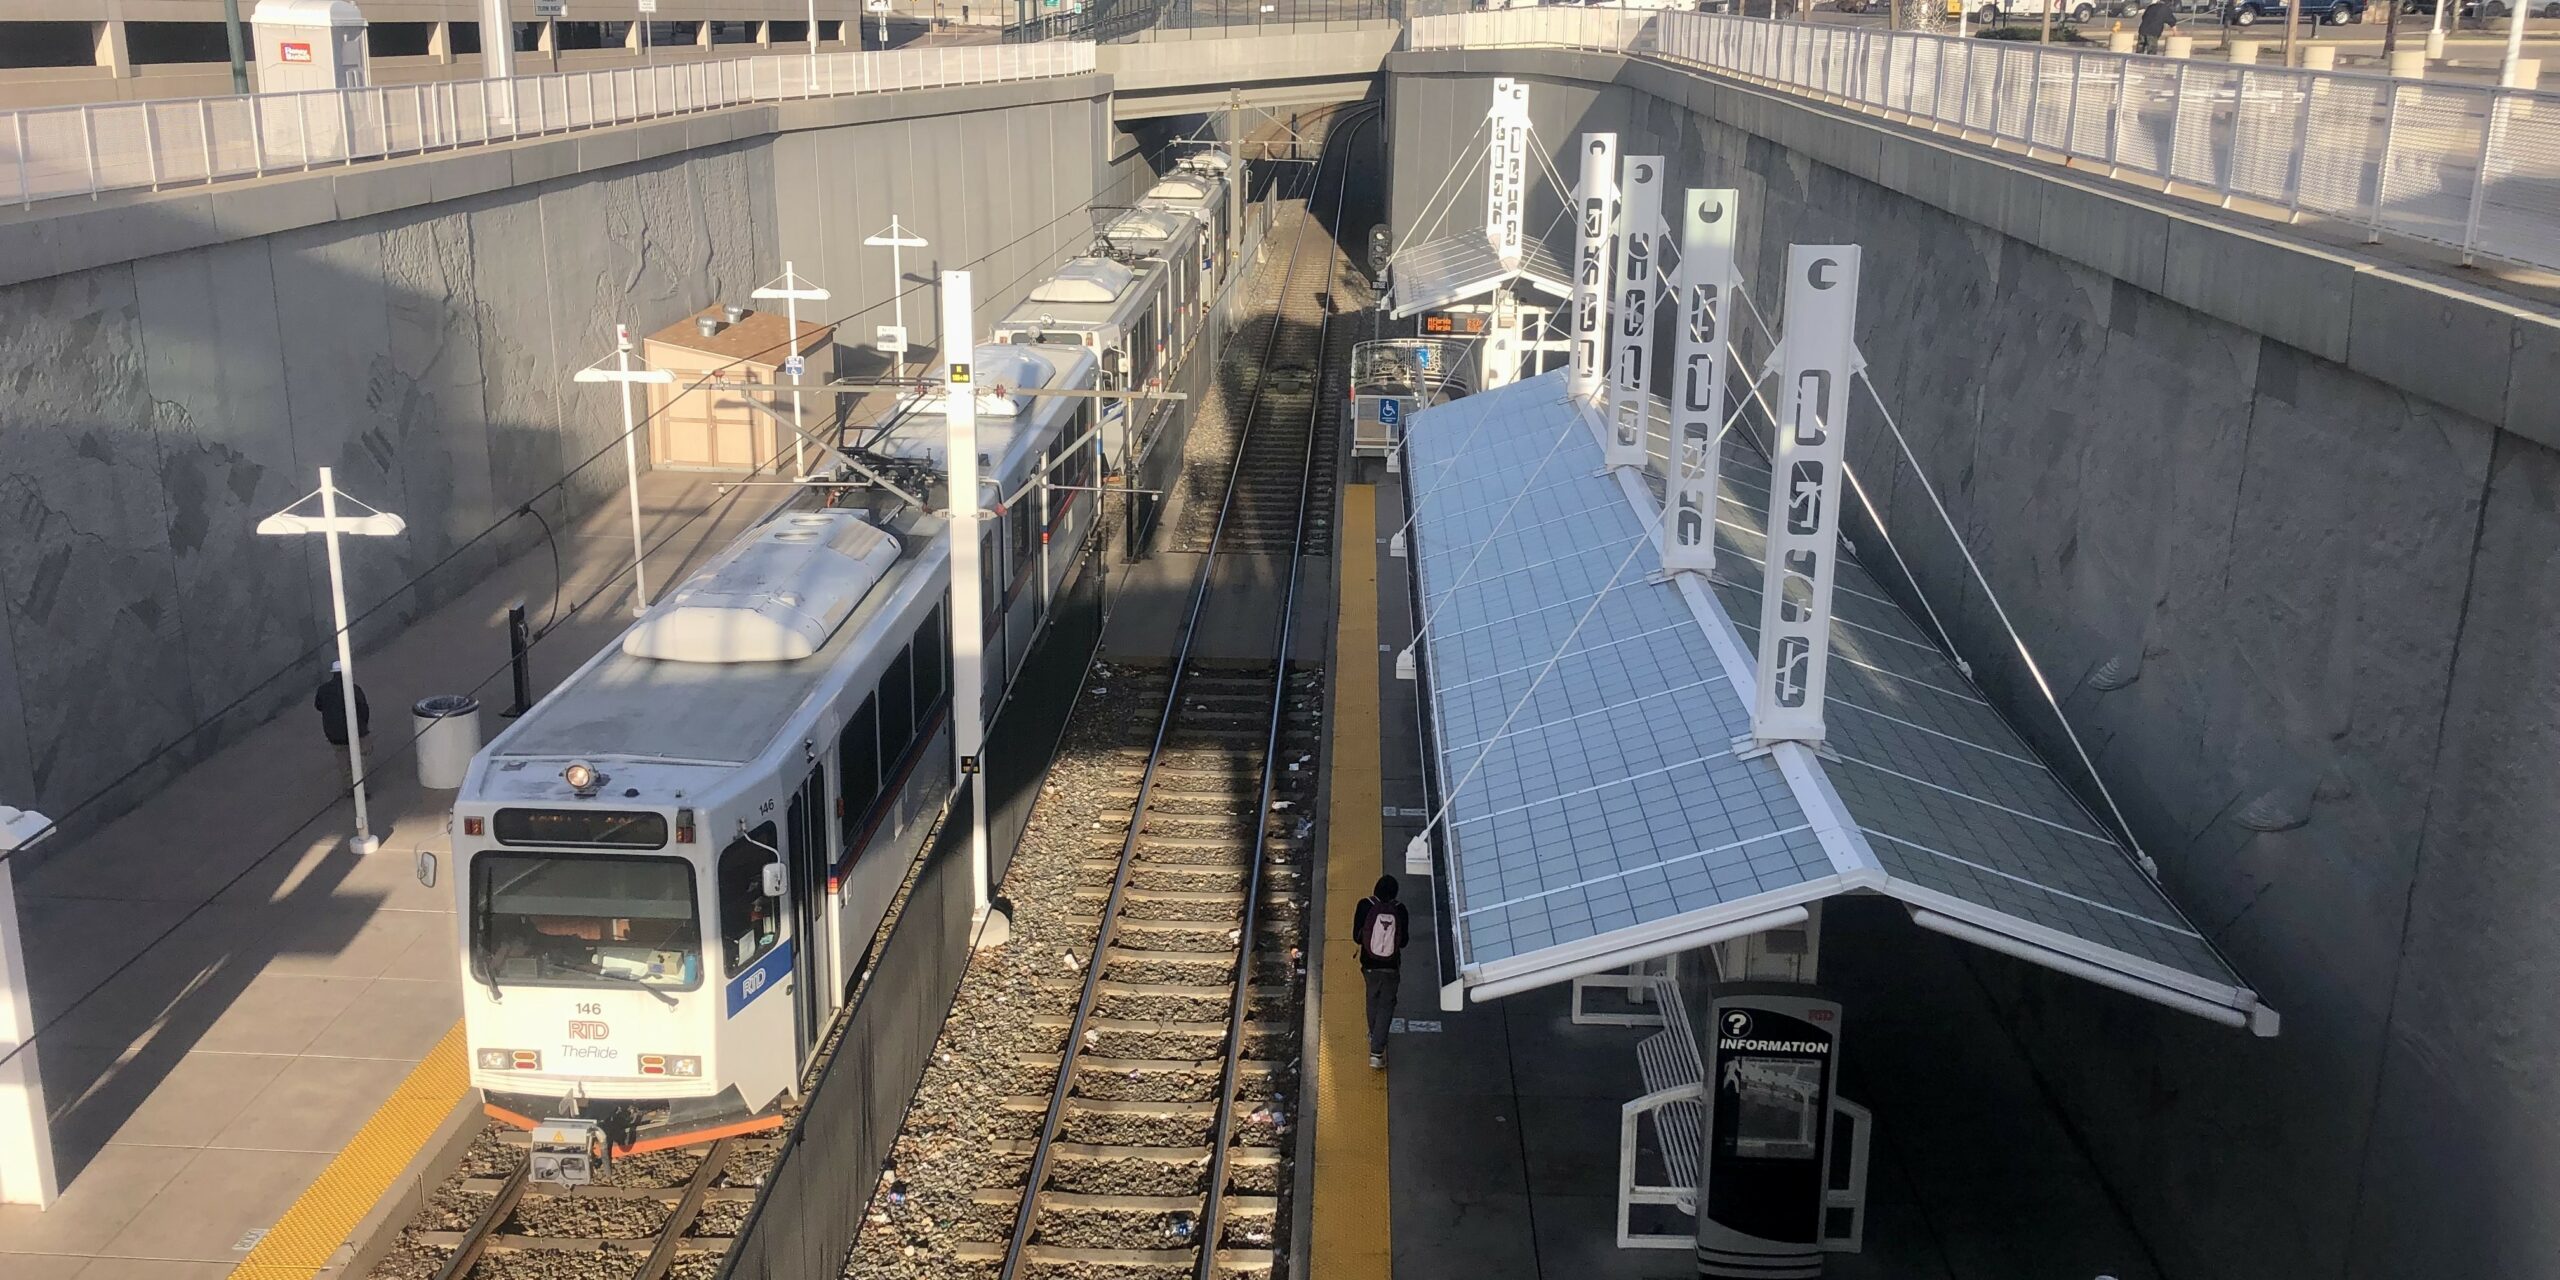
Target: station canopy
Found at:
x=1619, y=813
x=1463, y=268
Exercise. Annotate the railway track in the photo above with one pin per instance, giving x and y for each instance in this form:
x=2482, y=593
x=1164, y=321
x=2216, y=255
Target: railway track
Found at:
x=1158, y=1147
x=667, y=1215
x=1155, y=1104
x=1289, y=447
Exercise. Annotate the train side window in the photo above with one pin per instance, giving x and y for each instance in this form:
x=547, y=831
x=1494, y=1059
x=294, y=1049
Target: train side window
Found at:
x=858, y=767
x=990, y=577
x=1017, y=528
x=750, y=923
x=897, y=705
x=931, y=662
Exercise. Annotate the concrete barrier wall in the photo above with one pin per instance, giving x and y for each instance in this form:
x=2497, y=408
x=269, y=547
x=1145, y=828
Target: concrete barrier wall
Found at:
x=2280, y=523
x=174, y=367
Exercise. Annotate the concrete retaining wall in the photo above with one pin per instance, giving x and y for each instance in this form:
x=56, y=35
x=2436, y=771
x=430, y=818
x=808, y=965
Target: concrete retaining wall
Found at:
x=175, y=366
x=2281, y=523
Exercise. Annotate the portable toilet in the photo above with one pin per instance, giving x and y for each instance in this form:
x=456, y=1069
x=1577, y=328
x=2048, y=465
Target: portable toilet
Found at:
x=309, y=44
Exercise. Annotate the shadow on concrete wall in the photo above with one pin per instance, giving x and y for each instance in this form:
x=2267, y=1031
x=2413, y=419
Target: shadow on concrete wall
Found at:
x=162, y=406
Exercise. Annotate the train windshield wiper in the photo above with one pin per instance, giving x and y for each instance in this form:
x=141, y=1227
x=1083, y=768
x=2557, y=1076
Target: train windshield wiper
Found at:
x=598, y=971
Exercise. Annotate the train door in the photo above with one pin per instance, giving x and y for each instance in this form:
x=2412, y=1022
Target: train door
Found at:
x=806, y=821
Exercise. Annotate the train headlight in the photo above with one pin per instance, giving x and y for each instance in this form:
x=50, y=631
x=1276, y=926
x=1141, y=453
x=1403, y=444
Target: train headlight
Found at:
x=582, y=777
x=509, y=1059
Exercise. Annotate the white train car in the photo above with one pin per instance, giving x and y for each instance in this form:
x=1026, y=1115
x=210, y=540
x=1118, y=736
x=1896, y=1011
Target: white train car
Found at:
x=1202, y=194
x=668, y=869
x=1137, y=305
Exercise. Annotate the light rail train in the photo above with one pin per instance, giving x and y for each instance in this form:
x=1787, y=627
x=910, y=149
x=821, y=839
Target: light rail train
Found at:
x=669, y=869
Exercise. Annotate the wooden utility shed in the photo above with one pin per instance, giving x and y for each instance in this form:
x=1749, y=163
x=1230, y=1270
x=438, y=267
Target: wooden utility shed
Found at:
x=719, y=430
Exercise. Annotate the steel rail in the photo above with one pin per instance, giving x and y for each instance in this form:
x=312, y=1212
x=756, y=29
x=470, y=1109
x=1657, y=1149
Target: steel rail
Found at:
x=671, y=1235
x=1221, y=1142
x=1027, y=1213
x=485, y=1227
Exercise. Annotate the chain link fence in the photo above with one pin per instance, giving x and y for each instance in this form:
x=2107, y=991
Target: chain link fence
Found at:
x=85, y=150
x=2473, y=167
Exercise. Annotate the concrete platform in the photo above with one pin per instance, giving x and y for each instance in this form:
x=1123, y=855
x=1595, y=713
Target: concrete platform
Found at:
x=224, y=994
x=1501, y=1120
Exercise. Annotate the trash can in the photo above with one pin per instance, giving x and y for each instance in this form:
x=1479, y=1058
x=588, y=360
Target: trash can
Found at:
x=448, y=729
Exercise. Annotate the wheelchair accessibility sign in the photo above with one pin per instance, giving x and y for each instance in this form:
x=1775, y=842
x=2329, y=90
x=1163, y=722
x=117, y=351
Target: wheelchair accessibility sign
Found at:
x=1390, y=412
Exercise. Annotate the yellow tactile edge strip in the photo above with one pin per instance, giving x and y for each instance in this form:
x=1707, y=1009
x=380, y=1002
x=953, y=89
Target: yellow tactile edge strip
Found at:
x=1351, y=1232
x=310, y=1233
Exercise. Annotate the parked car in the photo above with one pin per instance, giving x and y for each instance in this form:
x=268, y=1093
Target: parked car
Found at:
x=2497, y=9
x=2332, y=12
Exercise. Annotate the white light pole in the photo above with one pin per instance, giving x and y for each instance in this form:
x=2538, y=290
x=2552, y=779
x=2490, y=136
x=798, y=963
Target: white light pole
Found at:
x=2515, y=42
x=968, y=625
x=894, y=339
x=813, y=46
x=791, y=289
x=26, y=1136
x=623, y=373
x=498, y=45
x=2435, y=31
x=329, y=524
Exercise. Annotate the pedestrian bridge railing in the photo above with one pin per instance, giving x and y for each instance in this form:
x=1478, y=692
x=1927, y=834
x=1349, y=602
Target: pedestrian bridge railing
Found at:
x=87, y=150
x=2473, y=167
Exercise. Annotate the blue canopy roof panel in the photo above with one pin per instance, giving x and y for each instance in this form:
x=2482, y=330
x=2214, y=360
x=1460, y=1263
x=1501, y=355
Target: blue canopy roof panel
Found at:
x=1593, y=730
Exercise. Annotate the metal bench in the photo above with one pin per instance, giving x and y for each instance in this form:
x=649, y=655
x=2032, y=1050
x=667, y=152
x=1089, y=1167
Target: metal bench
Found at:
x=1675, y=1087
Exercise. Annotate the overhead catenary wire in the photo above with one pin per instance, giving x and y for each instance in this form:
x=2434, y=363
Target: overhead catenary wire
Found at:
x=522, y=509
x=2026, y=656
x=398, y=751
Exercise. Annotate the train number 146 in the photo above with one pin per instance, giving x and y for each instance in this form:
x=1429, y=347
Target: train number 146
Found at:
x=588, y=1008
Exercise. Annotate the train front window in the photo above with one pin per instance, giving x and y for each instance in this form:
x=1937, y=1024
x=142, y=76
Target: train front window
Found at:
x=584, y=920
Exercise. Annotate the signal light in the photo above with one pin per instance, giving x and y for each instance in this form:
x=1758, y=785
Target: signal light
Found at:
x=474, y=826
x=684, y=825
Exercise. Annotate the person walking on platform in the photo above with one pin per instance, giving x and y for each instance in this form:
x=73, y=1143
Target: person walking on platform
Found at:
x=1380, y=927
x=331, y=703
x=2157, y=18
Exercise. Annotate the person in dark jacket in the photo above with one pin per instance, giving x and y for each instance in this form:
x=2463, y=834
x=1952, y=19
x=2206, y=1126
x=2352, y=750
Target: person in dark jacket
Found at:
x=2156, y=21
x=331, y=703
x=1379, y=928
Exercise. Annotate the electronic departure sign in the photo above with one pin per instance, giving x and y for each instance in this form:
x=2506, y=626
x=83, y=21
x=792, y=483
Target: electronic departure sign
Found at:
x=1460, y=324
x=1769, y=1061
x=594, y=828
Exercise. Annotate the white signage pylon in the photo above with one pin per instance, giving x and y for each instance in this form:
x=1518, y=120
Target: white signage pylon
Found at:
x=1506, y=169
x=1630, y=319
x=1816, y=357
x=1498, y=362
x=1597, y=199
x=1702, y=287
x=968, y=624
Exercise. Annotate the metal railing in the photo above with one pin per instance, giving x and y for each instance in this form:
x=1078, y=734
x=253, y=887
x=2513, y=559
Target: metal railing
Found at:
x=1115, y=21
x=85, y=150
x=2470, y=166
